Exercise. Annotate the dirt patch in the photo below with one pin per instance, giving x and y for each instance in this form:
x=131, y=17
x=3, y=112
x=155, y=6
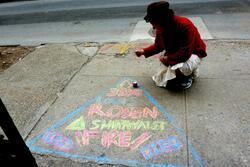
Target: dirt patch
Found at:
x=11, y=54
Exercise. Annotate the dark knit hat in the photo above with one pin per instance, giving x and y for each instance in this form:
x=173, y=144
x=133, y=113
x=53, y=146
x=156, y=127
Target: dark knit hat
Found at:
x=158, y=11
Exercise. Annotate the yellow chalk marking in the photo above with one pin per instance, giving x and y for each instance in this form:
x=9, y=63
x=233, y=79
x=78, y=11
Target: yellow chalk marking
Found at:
x=122, y=48
x=78, y=124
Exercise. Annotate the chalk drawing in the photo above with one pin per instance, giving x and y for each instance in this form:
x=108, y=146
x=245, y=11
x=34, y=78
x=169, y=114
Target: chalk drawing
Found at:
x=125, y=84
x=78, y=124
x=57, y=140
x=117, y=111
x=118, y=49
x=123, y=48
x=126, y=125
x=124, y=92
x=161, y=146
x=139, y=141
x=120, y=139
x=108, y=138
x=83, y=137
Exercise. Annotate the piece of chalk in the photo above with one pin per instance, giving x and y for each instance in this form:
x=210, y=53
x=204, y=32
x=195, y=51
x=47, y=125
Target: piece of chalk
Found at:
x=135, y=84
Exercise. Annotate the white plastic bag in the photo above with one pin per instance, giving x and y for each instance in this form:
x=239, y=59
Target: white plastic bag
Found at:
x=164, y=73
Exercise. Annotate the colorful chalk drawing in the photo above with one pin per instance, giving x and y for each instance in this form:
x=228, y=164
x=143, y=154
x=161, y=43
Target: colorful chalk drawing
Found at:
x=122, y=125
x=117, y=49
x=166, y=145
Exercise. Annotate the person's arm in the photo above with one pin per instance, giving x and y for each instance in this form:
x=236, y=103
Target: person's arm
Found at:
x=150, y=50
x=186, y=49
x=153, y=49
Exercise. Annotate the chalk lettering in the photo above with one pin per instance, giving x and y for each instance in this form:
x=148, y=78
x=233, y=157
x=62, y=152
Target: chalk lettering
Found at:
x=124, y=139
x=125, y=84
x=147, y=111
x=48, y=137
x=134, y=112
x=161, y=146
x=95, y=109
x=147, y=154
x=158, y=125
x=125, y=124
x=128, y=125
x=57, y=140
x=125, y=113
x=109, y=125
x=120, y=139
x=83, y=137
x=78, y=137
x=139, y=140
x=117, y=124
x=109, y=138
x=114, y=111
x=142, y=125
x=124, y=92
x=117, y=111
x=96, y=124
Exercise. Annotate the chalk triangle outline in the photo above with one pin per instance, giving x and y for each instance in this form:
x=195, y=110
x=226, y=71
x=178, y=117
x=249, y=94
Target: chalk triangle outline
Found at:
x=104, y=159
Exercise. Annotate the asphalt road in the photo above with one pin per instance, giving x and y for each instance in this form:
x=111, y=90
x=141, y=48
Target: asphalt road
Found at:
x=64, y=11
x=43, y=21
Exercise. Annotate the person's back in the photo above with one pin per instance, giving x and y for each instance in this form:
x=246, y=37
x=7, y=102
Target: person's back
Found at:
x=190, y=32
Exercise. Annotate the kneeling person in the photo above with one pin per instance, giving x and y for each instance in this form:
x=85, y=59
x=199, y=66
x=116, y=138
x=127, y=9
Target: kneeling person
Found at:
x=180, y=40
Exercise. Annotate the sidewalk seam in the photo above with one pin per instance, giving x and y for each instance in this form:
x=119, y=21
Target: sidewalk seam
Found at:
x=186, y=122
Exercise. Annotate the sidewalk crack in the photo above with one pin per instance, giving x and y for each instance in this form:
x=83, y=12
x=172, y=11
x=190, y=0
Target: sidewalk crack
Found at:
x=60, y=91
x=85, y=63
x=38, y=120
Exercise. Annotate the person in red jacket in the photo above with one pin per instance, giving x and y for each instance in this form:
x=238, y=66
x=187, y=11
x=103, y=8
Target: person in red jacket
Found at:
x=180, y=40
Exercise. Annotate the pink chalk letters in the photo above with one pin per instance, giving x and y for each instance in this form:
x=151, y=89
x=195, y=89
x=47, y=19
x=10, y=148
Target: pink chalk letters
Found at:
x=117, y=111
x=109, y=138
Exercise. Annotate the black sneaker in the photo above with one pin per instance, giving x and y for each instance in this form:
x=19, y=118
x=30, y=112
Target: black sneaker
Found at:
x=173, y=85
x=180, y=84
x=186, y=83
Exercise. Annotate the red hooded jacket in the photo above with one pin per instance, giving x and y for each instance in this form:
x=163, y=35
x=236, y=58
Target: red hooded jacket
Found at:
x=179, y=42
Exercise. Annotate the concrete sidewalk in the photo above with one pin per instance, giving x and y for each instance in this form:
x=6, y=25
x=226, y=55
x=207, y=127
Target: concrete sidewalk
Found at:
x=74, y=101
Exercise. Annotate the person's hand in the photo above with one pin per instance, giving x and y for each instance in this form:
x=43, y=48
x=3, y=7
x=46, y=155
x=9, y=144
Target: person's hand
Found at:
x=139, y=52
